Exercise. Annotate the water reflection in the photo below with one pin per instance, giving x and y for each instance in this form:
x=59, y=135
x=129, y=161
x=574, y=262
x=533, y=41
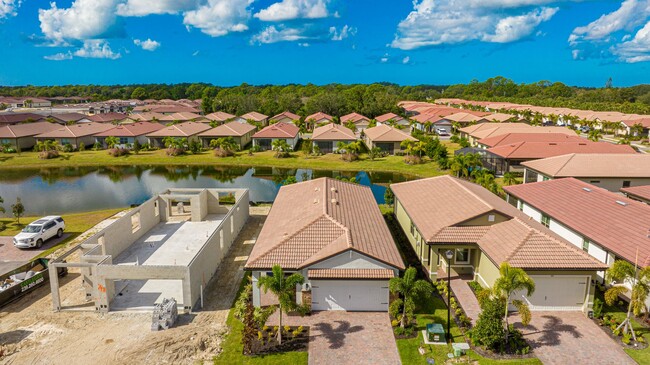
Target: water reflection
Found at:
x=77, y=189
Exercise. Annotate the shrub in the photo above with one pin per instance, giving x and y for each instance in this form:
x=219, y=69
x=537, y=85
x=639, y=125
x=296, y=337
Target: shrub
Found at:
x=196, y=147
x=349, y=157
x=394, y=308
x=256, y=148
x=67, y=147
x=598, y=308
x=465, y=321
x=82, y=147
x=394, y=323
x=458, y=312
x=413, y=160
x=260, y=335
x=46, y=155
x=286, y=328
x=2, y=226
x=220, y=152
x=175, y=151
x=406, y=331
x=616, y=332
x=476, y=287
x=627, y=338
x=489, y=330
x=117, y=152
x=97, y=146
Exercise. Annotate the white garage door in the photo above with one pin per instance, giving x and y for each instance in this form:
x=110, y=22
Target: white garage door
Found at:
x=558, y=292
x=350, y=295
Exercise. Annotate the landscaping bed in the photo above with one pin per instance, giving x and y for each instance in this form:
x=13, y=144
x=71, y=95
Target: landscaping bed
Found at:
x=293, y=339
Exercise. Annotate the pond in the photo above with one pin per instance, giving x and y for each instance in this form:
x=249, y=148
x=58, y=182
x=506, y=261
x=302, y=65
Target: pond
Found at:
x=80, y=189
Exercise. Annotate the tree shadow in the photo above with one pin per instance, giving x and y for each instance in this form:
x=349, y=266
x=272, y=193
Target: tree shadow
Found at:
x=336, y=336
x=14, y=336
x=550, y=332
x=5, y=158
x=66, y=156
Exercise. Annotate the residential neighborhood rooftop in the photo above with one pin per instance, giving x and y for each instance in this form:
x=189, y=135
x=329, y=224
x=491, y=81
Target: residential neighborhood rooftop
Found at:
x=180, y=130
x=333, y=132
x=258, y=117
x=593, y=165
x=353, y=117
x=286, y=114
x=131, y=130
x=385, y=133
x=76, y=130
x=219, y=116
x=229, y=129
x=641, y=192
x=278, y=130
x=511, y=138
x=536, y=150
x=318, y=116
x=28, y=129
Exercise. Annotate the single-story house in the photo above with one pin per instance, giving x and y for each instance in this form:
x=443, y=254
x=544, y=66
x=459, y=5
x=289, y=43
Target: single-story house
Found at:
x=333, y=234
x=242, y=133
x=482, y=231
x=69, y=118
x=25, y=102
x=501, y=118
x=127, y=134
x=17, y=118
x=630, y=126
x=285, y=117
x=182, y=117
x=604, y=224
x=21, y=136
x=146, y=117
x=429, y=122
x=328, y=136
x=108, y=118
x=516, y=153
x=387, y=138
x=189, y=130
x=510, y=138
x=287, y=131
x=392, y=119
x=317, y=120
x=360, y=122
x=605, y=170
x=638, y=193
x=75, y=134
x=253, y=116
x=220, y=117
x=467, y=118
x=476, y=132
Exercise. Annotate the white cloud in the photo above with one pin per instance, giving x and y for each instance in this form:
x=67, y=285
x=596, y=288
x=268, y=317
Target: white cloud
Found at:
x=384, y=58
x=303, y=44
x=219, y=17
x=631, y=14
x=195, y=53
x=8, y=8
x=294, y=9
x=272, y=34
x=84, y=19
x=147, y=45
x=59, y=56
x=346, y=31
x=148, y=7
x=436, y=22
x=637, y=49
x=406, y=60
x=96, y=48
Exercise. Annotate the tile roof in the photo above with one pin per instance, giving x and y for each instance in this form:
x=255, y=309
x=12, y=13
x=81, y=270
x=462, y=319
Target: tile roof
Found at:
x=181, y=116
x=231, y=129
x=385, y=133
x=286, y=114
x=334, y=217
x=388, y=116
x=485, y=130
x=605, y=218
x=76, y=130
x=319, y=116
x=219, y=116
x=354, y=117
x=258, y=117
x=510, y=138
x=640, y=192
x=278, y=130
x=180, y=130
x=463, y=234
x=464, y=117
x=593, y=165
x=131, y=130
x=536, y=150
x=333, y=132
x=501, y=117
x=27, y=129
x=350, y=274
x=107, y=117
x=147, y=116
x=14, y=118
x=69, y=117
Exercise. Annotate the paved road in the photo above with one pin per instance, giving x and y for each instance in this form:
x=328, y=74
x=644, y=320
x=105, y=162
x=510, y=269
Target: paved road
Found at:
x=12, y=257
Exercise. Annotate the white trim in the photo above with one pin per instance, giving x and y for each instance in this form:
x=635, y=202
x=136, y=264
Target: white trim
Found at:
x=469, y=256
x=480, y=277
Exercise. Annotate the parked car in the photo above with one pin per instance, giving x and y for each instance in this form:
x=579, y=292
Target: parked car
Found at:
x=442, y=132
x=584, y=129
x=39, y=231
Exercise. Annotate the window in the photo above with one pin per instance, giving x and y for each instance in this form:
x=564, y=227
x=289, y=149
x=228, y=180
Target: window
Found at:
x=546, y=178
x=627, y=183
x=491, y=218
x=546, y=220
x=585, y=245
x=462, y=255
x=124, y=140
x=521, y=205
x=65, y=141
x=412, y=229
x=594, y=182
x=135, y=222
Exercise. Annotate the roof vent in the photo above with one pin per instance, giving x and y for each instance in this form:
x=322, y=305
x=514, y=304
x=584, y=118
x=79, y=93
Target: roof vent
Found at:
x=333, y=189
x=586, y=189
x=316, y=189
x=335, y=202
x=582, y=144
x=552, y=144
x=621, y=203
x=315, y=201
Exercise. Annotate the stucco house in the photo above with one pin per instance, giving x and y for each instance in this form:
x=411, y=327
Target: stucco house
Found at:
x=287, y=131
x=127, y=134
x=317, y=120
x=286, y=117
x=21, y=136
x=253, y=116
x=387, y=138
x=476, y=132
x=483, y=231
x=328, y=136
x=361, y=122
x=189, y=130
x=242, y=133
x=392, y=119
x=75, y=134
x=18, y=118
x=333, y=234
x=510, y=138
x=638, y=193
x=220, y=117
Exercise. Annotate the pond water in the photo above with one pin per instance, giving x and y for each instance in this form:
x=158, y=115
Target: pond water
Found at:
x=79, y=189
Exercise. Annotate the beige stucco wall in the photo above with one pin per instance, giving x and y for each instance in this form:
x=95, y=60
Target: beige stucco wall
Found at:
x=484, y=220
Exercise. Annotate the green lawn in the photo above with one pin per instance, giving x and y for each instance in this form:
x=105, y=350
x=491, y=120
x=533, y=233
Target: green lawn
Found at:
x=298, y=160
x=435, y=311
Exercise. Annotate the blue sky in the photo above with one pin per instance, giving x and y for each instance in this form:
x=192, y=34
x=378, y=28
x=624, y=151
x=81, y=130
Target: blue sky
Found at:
x=227, y=42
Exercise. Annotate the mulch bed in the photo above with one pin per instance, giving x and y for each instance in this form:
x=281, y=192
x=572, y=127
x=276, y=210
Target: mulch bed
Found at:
x=290, y=343
x=617, y=339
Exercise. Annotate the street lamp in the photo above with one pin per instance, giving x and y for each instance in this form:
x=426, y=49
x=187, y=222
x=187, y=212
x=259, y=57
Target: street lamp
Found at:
x=449, y=254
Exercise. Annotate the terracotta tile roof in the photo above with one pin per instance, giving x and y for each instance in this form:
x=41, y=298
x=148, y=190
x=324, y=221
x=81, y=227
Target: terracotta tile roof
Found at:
x=166, y=108
x=231, y=129
x=593, y=165
x=319, y=116
x=354, y=117
x=350, y=274
x=385, y=133
x=27, y=129
x=510, y=138
x=485, y=130
x=645, y=122
x=258, y=117
x=465, y=117
x=180, y=130
x=69, y=117
x=463, y=234
x=219, y=116
x=333, y=132
x=146, y=117
x=333, y=217
x=181, y=116
x=278, y=130
x=286, y=114
x=107, y=117
x=76, y=130
x=605, y=218
x=639, y=192
x=131, y=130
x=536, y=150
x=15, y=118
x=388, y=116
x=500, y=117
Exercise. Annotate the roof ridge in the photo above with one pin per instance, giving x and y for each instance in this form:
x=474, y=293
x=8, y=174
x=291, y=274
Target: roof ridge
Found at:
x=565, y=163
x=457, y=181
x=523, y=241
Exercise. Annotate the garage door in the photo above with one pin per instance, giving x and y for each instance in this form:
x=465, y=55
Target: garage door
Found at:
x=558, y=292
x=350, y=295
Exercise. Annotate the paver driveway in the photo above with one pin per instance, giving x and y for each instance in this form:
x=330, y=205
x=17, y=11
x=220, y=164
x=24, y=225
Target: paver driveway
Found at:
x=571, y=338
x=338, y=337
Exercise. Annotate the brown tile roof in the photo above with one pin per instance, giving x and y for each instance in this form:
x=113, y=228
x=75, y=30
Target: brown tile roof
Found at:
x=107, y=117
x=278, y=130
x=166, y=108
x=511, y=138
x=350, y=274
x=485, y=130
x=27, y=129
x=645, y=122
x=333, y=132
x=286, y=114
x=181, y=116
x=219, y=116
x=464, y=117
x=536, y=150
x=69, y=117
x=146, y=117
x=333, y=217
x=354, y=117
x=76, y=130
x=258, y=117
x=463, y=234
x=385, y=133
x=319, y=116
x=231, y=129
x=388, y=116
x=131, y=130
x=605, y=218
x=15, y=118
x=180, y=130
x=501, y=117
x=593, y=165
x=639, y=192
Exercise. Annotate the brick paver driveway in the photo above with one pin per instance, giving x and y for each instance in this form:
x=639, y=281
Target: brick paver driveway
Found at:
x=12, y=257
x=571, y=338
x=338, y=337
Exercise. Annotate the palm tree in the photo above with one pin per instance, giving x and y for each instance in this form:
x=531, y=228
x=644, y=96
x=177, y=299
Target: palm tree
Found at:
x=284, y=288
x=413, y=147
x=595, y=134
x=618, y=274
x=281, y=148
x=509, y=179
x=485, y=178
x=111, y=141
x=410, y=289
x=224, y=143
x=513, y=280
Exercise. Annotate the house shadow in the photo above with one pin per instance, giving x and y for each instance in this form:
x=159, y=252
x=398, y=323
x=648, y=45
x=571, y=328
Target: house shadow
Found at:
x=336, y=335
x=550, y=333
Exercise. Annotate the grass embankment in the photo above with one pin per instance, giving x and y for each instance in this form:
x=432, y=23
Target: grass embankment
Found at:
x=297, y=160
x=75, y=224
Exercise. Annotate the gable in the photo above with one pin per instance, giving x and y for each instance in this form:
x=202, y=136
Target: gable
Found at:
x=350, y=259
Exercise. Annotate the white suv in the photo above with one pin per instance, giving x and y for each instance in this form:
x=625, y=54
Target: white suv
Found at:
x=40, y=231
